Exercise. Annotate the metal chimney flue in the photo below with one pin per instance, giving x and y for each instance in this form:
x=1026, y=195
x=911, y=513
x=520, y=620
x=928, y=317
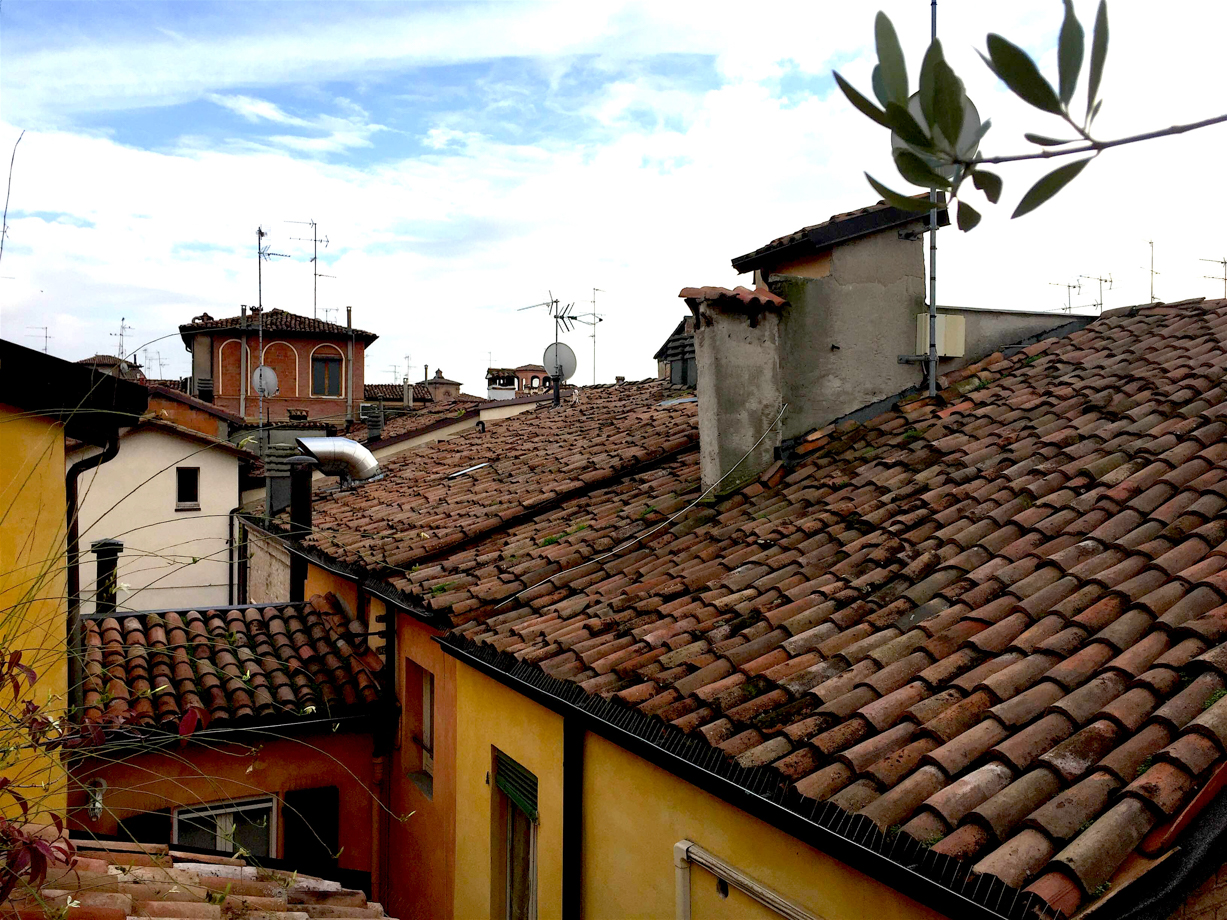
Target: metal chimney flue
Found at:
x=301, y=469
x=106, y=583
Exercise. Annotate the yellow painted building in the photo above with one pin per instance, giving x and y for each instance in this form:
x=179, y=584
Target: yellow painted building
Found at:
x=43, y=399
x=638, y=820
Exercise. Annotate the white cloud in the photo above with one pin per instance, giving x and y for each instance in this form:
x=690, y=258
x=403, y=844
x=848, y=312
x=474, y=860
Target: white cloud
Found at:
x=436, y=251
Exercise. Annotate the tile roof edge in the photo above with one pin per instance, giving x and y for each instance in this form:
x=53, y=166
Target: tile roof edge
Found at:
x=857, y=843
x=1169, y=883
x=466, y=415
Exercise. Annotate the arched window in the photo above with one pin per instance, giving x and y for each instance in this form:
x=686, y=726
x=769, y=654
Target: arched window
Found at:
x=326, y=368
x=229, y=368
x=536, y=382
x=283, y=359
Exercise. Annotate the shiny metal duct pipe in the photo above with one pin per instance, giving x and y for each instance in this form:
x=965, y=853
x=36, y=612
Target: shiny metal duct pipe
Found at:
x=340, y=456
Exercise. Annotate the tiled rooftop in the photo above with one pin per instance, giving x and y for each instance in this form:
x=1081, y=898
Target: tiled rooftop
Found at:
x=531, y=461
x=238, y=664
x=275, y=321
x=110, y=880
x=994, y=623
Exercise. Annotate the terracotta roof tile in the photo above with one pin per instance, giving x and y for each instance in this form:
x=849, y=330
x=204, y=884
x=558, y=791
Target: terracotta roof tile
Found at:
x=240, y=665
x=1012, y=583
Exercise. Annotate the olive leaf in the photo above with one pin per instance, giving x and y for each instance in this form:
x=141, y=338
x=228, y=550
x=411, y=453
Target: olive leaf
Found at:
x=928, y=80
x=862, y=104
x=1048, y=186
x=1099, y=53
x=948, y=104
x=890, y=59
x=1044, y=140
x=897, y=200
x=1069, y=53
x=968, y=216
x=917, y=171
x=903, y=124
x=1019, y=73
x=987, y=182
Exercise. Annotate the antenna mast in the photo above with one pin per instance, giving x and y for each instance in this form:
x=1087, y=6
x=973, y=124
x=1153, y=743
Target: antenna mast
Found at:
x=1099, y=303
x=1152, y=270
x=596, y=318
x=315, y=264
x=262, y=255
x=44, y=335
x=1222, y=263
x=124, y=329
x=933, y=254
x=1069, y=293
x=395, y=369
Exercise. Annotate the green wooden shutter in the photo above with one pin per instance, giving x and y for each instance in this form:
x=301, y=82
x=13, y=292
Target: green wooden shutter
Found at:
x=517, y=783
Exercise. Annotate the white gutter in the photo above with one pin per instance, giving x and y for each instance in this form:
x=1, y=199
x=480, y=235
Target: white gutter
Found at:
x=686, y=853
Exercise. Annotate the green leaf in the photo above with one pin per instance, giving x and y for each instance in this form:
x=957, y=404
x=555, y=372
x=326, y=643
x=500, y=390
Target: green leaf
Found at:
x=896, y=200
x=1069, y=53
x=948, y=104
x=1099, y=53
x=1045, y=141
x=890, y=57
x=968, y=216
x=987, y=182
x=1020, y=74
x=917, y=171
x=984, y=126
x=928, y=79
x=879, y=88
x=864, y=105
x=1049, y=186
x=1095, y=112
x=903, y=124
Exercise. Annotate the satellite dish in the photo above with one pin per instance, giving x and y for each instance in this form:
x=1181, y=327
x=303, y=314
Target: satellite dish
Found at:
x=966, y=146
x=559, y=361
x=264, y=381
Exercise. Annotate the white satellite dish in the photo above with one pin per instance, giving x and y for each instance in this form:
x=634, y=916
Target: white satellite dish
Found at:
x=968, y=142
x=264, y=381
x=559, y=361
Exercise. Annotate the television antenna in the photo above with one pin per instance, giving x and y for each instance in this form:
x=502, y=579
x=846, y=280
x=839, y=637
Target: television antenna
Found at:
x=564, y=321
x=595, y=318
x=1222, y=263
x=1151, y=243
x=45, y=335
x=1069, y=293
x=315, y=241
x=559, y=361
x=1098, y=303
x=124, y=329
x=395, y=369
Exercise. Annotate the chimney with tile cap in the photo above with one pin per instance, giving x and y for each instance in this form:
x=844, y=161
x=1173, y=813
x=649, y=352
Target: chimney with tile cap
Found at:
x=819, y=336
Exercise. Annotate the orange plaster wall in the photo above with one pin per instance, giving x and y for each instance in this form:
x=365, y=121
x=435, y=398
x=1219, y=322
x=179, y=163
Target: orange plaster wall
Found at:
x=200, y=774
x=422, y=849
x=188, y=416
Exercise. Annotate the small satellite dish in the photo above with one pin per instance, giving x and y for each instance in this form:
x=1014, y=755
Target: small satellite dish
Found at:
x=264, y=381
x=966, y=146
x=559, y=361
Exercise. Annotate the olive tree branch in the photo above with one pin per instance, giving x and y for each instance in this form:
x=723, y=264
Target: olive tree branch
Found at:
x=1092, y=146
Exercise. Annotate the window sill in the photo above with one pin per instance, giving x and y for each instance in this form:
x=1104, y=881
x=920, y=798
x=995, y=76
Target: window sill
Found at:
x=187, y=506
x=424, y=781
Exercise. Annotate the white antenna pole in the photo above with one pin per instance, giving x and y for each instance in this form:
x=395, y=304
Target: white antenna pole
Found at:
x=1222, y=263
x=595, y=319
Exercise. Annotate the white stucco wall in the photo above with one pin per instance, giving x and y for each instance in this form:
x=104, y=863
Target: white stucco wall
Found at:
x=171, y=558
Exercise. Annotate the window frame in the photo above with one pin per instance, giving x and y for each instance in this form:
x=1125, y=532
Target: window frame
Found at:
x=231, y=808
x=503, y=814
x=419, y=720
x=180, y=504
x=333, y=355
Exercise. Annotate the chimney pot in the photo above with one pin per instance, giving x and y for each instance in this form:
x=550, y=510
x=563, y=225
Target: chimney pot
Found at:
x=105, y=583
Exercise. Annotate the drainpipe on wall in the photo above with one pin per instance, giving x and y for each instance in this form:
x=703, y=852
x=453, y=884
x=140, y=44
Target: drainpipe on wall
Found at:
x=73, y=553
x=349, y=393
x=572, y=819
x=243, y=362
x=377, y=779
x=300, y=522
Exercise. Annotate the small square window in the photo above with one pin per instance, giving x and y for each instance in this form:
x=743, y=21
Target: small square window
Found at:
x=240, y=827
x=187, y=488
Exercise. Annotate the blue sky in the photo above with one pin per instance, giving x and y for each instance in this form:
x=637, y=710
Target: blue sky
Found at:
x=463, y=159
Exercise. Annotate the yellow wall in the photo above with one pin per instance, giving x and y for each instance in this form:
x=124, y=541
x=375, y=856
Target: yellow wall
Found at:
x=491, y=716
x=33, y=607
x=634, y=813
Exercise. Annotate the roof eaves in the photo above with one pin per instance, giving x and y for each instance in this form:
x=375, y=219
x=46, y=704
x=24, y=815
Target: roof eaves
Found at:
x=756, y=791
